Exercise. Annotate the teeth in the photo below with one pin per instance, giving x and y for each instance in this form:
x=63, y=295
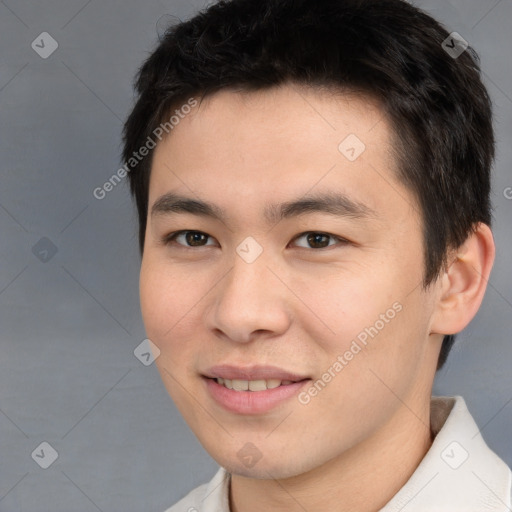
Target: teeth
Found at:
x=273, y=383
x=240, y=385
x=252, y=385
x=257, y=385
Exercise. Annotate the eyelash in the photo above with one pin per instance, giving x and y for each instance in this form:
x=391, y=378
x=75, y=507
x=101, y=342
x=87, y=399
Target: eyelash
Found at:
x=171, y=239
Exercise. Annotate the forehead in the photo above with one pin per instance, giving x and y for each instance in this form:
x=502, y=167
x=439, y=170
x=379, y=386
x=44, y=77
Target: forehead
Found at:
x=293, y=113
x=280, y=143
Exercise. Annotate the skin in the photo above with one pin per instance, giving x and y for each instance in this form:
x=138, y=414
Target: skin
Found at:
x=299, y=306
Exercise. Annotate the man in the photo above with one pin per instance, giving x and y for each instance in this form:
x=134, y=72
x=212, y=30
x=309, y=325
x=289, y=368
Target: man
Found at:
x=314, y=223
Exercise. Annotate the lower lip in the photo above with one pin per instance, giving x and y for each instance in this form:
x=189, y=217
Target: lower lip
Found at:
x=252, y=402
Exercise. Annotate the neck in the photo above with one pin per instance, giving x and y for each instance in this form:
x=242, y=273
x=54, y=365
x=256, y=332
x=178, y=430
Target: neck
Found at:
x=364, y=478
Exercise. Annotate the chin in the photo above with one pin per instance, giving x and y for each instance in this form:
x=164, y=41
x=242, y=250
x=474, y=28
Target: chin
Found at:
x=259, y=471
x=263, y=469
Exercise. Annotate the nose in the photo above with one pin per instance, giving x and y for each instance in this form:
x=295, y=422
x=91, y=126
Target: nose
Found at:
x=250, y=302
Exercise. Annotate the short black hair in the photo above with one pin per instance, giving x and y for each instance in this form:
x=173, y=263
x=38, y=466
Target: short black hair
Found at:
x=439, y=110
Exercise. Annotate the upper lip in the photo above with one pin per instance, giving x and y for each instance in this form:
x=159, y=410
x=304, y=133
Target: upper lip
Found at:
x=226, y=371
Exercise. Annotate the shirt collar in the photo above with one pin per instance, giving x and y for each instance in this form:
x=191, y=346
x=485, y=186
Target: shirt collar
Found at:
x=459, y=473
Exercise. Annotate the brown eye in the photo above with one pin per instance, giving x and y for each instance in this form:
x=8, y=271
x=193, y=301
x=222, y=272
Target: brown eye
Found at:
x=188, y=238
x=318, y=240
x=195, y=238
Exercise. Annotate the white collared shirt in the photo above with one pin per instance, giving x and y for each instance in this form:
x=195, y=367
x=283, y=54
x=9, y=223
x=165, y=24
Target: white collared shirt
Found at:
x=459, y=473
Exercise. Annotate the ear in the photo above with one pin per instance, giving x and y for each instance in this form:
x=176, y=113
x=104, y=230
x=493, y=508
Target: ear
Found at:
x=464, y=282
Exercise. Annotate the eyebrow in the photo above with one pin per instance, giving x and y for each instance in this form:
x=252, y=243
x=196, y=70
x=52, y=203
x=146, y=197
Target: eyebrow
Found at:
x=333, y=203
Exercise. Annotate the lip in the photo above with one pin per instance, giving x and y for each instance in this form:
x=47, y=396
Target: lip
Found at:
x=231, y=372
x=252, y=402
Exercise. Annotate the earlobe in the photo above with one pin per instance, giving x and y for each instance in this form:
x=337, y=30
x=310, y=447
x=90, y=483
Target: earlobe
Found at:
x=464, y=282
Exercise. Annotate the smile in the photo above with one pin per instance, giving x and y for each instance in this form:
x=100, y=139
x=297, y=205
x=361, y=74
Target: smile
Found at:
x=252, y=385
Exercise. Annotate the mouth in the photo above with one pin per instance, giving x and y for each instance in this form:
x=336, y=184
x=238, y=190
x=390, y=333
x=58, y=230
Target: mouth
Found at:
x=252, y=385
x=252, y=390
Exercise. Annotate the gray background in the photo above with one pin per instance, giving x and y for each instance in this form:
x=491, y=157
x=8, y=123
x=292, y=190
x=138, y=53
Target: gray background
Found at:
x=69, y=325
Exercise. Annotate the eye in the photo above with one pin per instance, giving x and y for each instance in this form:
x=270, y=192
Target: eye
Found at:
x=319, y=240
x=312, y=239
x=187, y=238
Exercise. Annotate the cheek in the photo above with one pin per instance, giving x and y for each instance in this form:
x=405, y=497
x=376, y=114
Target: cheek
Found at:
x=172, y=303
x=167, y=301
x=153, y=299
x=340, y=306
x=373, y=319
x=167, y=297
x=163, y=302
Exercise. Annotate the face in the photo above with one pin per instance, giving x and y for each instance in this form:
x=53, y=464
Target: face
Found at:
x=282, y=255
